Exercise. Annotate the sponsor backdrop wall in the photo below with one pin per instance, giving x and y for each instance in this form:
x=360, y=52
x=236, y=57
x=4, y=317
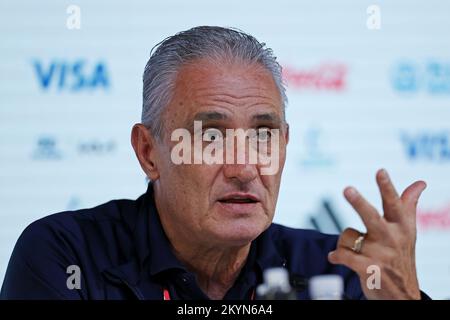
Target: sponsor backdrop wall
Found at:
x=369, y=87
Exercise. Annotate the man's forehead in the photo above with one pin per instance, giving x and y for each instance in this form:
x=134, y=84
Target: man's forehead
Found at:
x=206, y=91
x=237, y=78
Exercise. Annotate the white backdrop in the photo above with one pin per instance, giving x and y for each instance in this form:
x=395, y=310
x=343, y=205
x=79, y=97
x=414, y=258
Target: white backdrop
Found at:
x=360, y=99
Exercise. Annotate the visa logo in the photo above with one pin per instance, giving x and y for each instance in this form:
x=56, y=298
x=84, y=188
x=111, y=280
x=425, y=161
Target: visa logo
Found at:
x=432, y=77
x=427, y=146
x=71, y=76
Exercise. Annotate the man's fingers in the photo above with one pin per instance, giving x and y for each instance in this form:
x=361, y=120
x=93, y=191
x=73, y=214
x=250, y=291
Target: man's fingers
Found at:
x=412, y=194
x=352, y=260
x=387, y=189
x=348, y=237
x=389, y=196
x=368, y=214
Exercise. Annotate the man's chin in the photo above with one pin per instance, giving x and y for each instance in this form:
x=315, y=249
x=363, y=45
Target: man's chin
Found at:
x=238, y=210
x=238, y=233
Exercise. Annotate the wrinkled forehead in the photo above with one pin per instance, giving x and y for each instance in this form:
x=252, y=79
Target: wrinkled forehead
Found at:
x=223, y=89
x=234, y=77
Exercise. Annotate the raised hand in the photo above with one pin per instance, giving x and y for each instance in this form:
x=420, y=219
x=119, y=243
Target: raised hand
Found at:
x=389, y=242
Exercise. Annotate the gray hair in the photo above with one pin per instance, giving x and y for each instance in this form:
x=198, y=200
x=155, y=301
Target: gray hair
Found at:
x=196, y=43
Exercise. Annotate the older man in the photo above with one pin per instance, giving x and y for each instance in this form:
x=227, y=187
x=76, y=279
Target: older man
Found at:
x=204, y=228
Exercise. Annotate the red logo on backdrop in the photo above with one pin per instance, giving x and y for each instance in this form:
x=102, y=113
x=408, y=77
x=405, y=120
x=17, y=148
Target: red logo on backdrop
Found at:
x=434, y=219
x=326, y=76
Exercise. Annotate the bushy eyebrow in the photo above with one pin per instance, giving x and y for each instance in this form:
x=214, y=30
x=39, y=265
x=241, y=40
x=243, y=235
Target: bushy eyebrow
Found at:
x=210, y=115
x=268, y=117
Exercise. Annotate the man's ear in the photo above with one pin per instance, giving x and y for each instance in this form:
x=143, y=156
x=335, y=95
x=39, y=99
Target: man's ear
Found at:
x=143, y=144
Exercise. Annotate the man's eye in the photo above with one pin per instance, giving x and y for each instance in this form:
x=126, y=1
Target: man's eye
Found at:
x=264, y=134
x=212, y=134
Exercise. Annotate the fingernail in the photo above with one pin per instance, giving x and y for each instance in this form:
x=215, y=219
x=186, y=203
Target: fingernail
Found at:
x=424, y=185
x=351, y=193
x=384, y=174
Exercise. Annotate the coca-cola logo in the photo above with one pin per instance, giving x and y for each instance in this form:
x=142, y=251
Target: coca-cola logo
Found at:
x=434, y=219
x=326, y=76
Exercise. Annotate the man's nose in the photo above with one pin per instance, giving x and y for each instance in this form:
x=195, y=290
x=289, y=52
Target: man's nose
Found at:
x=244, y=173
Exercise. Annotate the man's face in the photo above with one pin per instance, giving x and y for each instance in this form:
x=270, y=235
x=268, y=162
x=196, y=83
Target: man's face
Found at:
x=226, y=204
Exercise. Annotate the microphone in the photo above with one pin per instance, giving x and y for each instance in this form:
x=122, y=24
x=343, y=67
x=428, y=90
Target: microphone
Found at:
x=298, y=282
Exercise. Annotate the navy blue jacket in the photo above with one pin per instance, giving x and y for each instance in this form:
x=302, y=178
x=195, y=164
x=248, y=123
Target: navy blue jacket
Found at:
x=123, y=253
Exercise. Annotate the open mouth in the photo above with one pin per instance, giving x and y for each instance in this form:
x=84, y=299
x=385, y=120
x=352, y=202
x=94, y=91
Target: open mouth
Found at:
x=242, y=199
